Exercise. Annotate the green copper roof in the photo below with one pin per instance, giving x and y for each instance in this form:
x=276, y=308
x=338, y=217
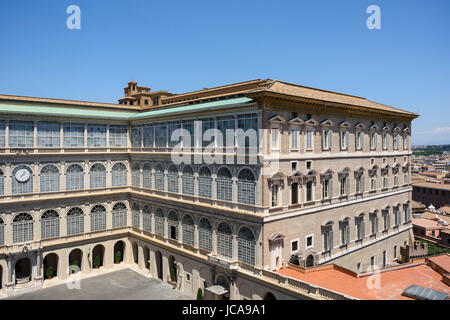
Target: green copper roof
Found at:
x=189, y=108
x=63, y=111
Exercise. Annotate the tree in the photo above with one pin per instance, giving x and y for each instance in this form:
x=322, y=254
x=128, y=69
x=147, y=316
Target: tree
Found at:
x=118, y=256
x=49, y=272
x=96, y=261
x=199, y=294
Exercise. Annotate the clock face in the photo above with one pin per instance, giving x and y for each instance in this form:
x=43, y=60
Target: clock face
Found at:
x=22, y=175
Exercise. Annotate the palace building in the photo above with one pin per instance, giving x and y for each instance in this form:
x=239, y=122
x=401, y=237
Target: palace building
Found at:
x=81, y=181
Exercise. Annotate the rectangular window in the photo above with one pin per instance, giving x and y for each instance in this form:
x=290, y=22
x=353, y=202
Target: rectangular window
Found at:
x=294, y=193
x=309, y=191
x=172, y=127
x=326, y=189
x=294, y=246
x=148, y=133
x=373, y=141
x=118, y=136
x=274, y=196
x=249, y=124
x=209, y=138
x=309, y=242
x=308, y=165
x=96, y=136
x=294, y=139
x=274, y=134
x=327, y=136
x=48, y=134
x=372, y=263
x=309, y=140
x=189, y=139
x=343, y=186
x=73, y=135
x=226, y=126
x=21, y=134
x=359, y=140
x=160, y=135
x=385, y=182
x=373, y=184
x=395, y=252
x=384, y=259
x=395, y=181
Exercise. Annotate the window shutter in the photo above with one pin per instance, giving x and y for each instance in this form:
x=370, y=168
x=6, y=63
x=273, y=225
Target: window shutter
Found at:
x=363, y=228
x=323, y=139
x=347, y=186
x=330, y=186
x=347, y=233
x=362, y=140
x=376, y=140
x=388, y=221
x=347, y=139
x=388, y=140
x=330, y=240
x=376, y=224
x=363, y=184
x=330, y=139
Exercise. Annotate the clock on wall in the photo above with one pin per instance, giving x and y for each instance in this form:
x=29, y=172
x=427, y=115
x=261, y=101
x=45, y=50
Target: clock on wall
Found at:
x=22, y=175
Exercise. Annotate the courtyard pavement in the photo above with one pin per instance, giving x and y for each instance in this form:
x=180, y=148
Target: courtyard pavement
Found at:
x=124, y=284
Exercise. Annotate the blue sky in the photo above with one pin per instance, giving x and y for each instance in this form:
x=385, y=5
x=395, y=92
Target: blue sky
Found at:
x=181, y=46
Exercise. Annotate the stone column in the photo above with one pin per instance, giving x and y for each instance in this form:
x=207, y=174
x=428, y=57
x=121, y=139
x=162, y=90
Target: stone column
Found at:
x=196, y=237
x=235, y=248
x=153, y=270
x=86, y=260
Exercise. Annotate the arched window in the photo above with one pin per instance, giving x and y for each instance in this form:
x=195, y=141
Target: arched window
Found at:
x=98, y=218
x=50, y=224
x=224, y=240
x=21, y=181
x=159, y=222
x=135, y=215
x=188, y=230
x=204, y=183
x=159, y=177
x=136, y=175
x=246, y=187
x=49, y=178
x=205, y=235
x=119, y=175
x=2, y=182
x=98, y=176
x=147, y=176
x=75, y=221
x=119, y=215
x=188, y=181
x=172, y=179
x=224, y=185
x=2, y=232
x=22, y=228
x=147, y=218
x=246, y=246
x=74, y=177
x=172, y=224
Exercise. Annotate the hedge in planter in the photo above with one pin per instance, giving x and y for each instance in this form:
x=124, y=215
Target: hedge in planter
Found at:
x=118, y=257
x=49, y=272
x=96, y=261
x=199, y=294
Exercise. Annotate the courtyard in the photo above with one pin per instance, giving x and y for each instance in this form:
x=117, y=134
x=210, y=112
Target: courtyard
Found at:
x=124, y=284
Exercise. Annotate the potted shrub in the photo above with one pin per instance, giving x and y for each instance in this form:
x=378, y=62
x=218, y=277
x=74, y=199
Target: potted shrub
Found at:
x=199, y=294
x=97, y=262
x=173, y=275
x=118, y=257
x=75, y=263
x=49, y=272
